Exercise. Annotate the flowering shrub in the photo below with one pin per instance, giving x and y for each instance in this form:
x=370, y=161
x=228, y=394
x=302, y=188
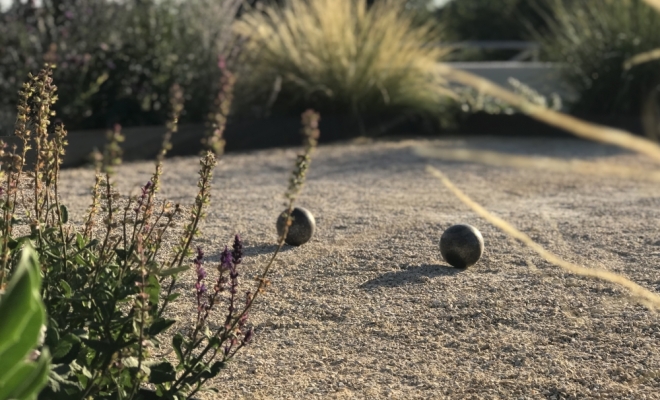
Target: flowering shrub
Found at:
x=108, y=283
x=116, y=59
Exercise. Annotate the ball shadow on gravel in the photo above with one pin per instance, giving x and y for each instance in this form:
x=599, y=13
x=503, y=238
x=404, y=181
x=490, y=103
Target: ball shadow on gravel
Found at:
x=265, y=249
x=411, y=275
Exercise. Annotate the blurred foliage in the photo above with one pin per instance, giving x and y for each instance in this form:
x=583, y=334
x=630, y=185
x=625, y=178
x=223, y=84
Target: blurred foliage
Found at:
x=339, y=56
x=594, y=42
x=481, y=20
x=116, y=60
x=25, y=362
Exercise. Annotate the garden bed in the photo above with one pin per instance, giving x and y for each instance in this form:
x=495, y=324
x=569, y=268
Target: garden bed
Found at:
x=143, y=143
x=368, y=309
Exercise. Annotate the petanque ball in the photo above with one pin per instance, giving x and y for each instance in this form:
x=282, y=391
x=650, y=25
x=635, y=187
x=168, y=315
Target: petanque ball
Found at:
x=301, y=229
x=461, y=245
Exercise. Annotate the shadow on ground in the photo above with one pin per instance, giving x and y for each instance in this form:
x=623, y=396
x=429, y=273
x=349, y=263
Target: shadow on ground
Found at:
x=411, y=275
x=265, y=249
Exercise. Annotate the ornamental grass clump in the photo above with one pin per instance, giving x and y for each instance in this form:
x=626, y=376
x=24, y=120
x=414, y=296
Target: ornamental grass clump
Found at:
x=108, y=282
x=593, y=40
x=341, y=56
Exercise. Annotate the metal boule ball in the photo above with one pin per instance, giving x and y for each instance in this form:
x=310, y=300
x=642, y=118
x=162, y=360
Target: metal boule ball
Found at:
x=301, y=229
x=461, y=245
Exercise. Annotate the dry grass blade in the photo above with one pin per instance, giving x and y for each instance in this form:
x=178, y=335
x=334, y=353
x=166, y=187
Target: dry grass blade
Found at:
x=654, y=3
x=542, y=163
x=573, y=125
x=647, y=297
x=642, y=58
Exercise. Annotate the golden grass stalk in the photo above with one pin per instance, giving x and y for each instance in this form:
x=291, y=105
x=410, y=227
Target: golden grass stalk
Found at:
x=576, y=126
x=344, y=52
x=642, y=58
x=654, y=3
x=647, y=297
x=543, y=163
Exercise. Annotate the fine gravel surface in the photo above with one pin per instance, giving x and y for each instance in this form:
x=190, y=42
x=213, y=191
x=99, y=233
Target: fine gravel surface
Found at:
x=369, y=310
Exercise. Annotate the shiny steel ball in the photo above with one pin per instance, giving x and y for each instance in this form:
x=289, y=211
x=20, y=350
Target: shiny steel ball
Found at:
x=461, y=245
x=301, y=229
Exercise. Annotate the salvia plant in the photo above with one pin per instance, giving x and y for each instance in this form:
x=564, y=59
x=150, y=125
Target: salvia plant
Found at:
x=108, y=282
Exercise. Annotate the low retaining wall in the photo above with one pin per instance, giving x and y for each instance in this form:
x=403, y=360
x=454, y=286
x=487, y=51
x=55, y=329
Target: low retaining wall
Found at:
x=283, y=131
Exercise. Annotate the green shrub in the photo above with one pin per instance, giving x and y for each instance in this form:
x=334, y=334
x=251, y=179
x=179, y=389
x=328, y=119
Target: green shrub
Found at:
x=484, y=20
x=594, y=41
x=107, y=283
x=116, y=60
x=340, y=56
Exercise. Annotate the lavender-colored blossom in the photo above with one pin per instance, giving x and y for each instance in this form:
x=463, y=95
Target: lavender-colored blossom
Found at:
x=248, y=336
x=201, y=275
x=143, y=196
x=200, y=256
x=226, y=260
x=201, y=288
x=237, y=253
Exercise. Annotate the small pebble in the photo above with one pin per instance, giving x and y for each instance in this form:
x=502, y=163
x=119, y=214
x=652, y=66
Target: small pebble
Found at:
x=301, y=229
x=461, y=245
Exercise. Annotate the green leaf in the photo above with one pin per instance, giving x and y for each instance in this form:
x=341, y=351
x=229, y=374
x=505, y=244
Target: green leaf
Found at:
x=177, y=341
x=12, y=244
x=64, y=213
x=67, y=289
x=214, y=342
x=173, y=271
x=28, y=380
x=122, y=254
x=86, y=372
x=21, y=312
x=67, y=349
x=214, y=370
x=130, y=362
x=80, y=241
x=173, y=296
x=161, y=373
x=159, y=326
x=152, y=289
x=99, y=346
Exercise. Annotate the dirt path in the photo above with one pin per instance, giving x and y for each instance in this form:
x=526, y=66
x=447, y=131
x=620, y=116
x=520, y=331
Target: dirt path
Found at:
x=369, y=310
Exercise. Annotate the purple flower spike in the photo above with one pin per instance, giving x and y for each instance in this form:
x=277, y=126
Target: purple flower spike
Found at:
x=226, y=259
x=143, y=196
x=200, y=255
x=201, y=273
x=237, y=253
x=200, y=287
x=248, y=336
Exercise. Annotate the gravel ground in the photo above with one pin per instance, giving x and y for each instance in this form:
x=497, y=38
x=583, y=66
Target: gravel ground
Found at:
x=369, y=310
